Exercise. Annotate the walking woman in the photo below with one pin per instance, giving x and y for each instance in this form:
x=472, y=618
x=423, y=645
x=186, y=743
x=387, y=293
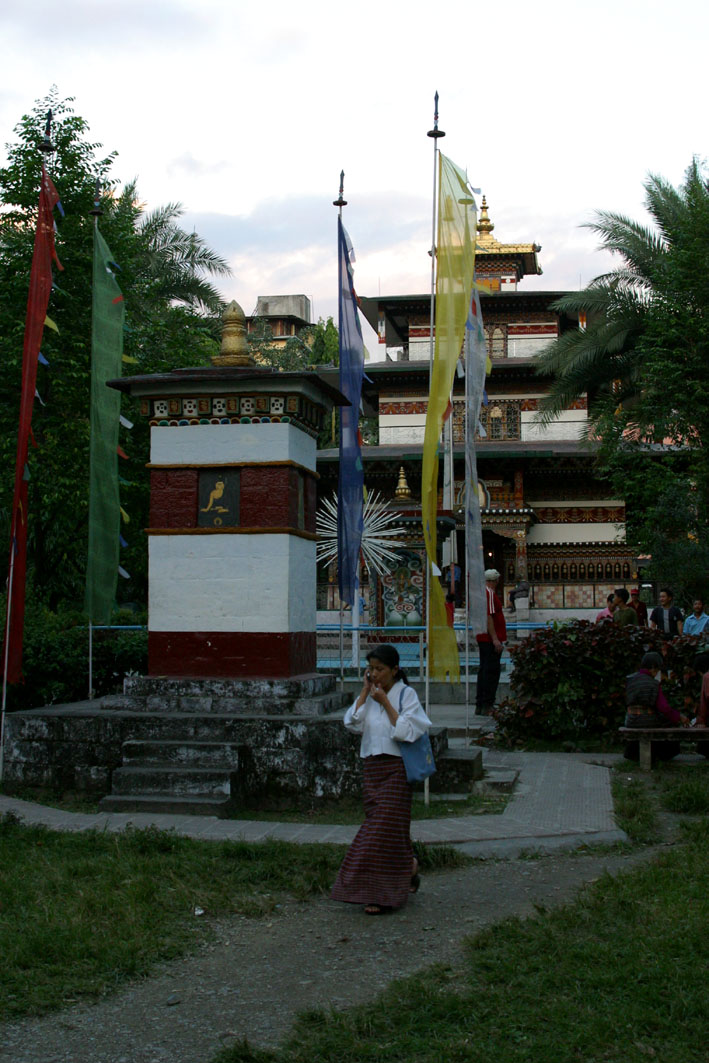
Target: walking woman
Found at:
x=380, y=870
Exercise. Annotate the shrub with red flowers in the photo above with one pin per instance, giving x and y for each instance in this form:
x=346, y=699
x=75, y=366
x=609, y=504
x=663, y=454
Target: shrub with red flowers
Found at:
x=568, y=681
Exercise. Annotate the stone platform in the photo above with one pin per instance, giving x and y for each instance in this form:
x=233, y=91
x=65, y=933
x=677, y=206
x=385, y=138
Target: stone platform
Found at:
x=204, y=747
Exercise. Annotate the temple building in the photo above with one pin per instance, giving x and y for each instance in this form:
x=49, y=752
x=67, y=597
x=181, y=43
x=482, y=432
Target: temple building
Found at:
x=546, y=515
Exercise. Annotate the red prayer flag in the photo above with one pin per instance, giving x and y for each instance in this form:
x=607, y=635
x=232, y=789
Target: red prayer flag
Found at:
x=37, y=302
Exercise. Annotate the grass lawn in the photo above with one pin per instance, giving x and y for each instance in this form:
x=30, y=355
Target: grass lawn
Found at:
x=618, y=976
x=81, y=913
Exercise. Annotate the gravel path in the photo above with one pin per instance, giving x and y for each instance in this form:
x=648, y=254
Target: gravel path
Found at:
x=254, y=978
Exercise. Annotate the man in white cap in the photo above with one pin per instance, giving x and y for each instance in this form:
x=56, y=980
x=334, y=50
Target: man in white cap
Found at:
x=490, y=646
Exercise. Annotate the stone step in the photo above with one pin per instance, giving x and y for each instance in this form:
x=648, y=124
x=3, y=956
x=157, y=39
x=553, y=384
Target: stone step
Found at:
x=223, y=755
x=497, y=781
x=167, y=780
x=177, y=806
x=457, y=770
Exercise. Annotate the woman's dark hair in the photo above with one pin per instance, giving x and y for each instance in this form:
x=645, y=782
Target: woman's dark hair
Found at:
x=651, y=660
x=622, y=594
x=388, y=655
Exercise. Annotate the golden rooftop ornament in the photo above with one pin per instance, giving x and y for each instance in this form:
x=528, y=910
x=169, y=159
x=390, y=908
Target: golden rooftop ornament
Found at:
x=403, y=491
x=235, y=348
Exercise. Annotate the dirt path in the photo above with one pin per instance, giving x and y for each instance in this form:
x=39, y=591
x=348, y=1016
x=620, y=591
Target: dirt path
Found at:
x=258, y=974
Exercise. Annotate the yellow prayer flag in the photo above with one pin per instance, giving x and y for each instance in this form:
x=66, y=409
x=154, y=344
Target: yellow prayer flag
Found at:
x=455, y=260
x=126, y=518
x=50, y=324
x=127, y=358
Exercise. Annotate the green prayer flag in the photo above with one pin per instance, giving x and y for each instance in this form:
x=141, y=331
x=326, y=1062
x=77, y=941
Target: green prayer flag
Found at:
x=104, y=504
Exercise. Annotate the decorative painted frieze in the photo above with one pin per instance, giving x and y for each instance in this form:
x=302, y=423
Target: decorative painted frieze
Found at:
x=233, y=409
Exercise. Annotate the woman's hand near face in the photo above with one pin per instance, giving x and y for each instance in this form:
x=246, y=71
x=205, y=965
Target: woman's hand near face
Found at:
x=367, y=689
x=379, y=694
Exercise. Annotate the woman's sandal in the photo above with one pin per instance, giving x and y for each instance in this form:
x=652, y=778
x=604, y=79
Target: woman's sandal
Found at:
x=377, y=909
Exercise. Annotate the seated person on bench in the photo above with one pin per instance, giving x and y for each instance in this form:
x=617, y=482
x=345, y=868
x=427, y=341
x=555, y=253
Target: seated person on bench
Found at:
x=648, y=707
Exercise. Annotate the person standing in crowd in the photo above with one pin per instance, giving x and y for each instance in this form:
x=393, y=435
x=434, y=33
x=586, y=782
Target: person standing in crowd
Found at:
x=648, y=707
x=490, y=646
x=379, y=869
x=607, y=613
x=666, y=617
x=697, y=622
x=639, y=607
x=450, y=609
x=623, y=614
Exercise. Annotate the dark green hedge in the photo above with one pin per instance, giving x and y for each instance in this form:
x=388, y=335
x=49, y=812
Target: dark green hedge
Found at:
x=55, y=658
x=568, y=681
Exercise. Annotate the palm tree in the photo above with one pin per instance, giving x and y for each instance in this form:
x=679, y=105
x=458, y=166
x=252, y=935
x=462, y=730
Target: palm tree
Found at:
x=169, y=265
x=634, y=310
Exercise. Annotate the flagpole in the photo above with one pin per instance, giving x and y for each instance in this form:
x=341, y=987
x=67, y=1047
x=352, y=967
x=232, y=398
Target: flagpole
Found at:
x=467, y=487
x=435, y=135
x=341, y=202
x=7, y=654
x=96, y=214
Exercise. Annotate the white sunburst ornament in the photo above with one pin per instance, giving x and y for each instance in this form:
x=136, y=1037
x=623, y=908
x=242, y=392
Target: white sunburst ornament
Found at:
x=379, y=545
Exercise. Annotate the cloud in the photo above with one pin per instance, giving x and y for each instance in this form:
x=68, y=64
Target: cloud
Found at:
x=188, y=165
x=298, y=223
x=128, y=22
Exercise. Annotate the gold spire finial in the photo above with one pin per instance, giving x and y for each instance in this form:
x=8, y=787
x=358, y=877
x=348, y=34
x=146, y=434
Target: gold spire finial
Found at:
x=485, y=226
x=403, y=491
x=235, y=348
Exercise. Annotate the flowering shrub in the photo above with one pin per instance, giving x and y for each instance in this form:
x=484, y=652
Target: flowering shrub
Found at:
x=568, y=681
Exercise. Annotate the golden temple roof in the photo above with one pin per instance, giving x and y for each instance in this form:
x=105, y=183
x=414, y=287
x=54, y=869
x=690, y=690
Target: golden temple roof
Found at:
x=486, y=244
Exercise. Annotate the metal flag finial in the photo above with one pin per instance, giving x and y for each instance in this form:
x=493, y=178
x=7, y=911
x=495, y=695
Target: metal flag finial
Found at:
x=97, y=211
x=435, y=132
x=341, y=201
x=46, y=145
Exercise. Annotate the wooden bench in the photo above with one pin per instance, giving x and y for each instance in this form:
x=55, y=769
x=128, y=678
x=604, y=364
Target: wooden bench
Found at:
x=645, y=737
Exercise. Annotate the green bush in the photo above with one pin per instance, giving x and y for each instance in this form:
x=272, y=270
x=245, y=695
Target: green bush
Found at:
x=568, y=681
x=56, y=654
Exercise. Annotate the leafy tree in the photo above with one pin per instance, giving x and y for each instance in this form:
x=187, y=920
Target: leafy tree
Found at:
x=643, y=360
x=172, y=319
x=314, y=345
x=324, y=342
x=642, y=357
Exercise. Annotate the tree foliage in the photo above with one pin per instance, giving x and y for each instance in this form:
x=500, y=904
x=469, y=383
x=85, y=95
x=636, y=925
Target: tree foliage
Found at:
x=313, y=345
x=172, y=320
x=643, y=361
x=642, y=357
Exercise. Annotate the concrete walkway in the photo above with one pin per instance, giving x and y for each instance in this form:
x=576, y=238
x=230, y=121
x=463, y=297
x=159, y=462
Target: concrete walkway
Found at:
x=561, y=800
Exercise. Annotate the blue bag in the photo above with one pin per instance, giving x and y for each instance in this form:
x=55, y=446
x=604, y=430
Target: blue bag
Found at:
x=417, y=756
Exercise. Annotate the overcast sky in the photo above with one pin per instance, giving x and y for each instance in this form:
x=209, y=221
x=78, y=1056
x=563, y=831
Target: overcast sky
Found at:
x=246, y=112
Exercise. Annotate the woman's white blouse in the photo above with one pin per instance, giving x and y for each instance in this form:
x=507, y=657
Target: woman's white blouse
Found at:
x=378, y=735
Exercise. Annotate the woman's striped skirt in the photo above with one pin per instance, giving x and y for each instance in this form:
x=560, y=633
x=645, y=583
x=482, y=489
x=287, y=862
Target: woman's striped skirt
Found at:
x=378, y=865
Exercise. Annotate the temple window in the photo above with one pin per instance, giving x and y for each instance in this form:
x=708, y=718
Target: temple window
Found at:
x=494, y=430
x=513, y=421
x=497, y=342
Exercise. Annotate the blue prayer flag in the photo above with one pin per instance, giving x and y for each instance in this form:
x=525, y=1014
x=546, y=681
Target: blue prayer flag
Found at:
x=351, y=480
